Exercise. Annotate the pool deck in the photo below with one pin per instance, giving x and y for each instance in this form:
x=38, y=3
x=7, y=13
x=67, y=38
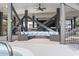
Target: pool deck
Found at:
x=37, y=45
x=42, y=46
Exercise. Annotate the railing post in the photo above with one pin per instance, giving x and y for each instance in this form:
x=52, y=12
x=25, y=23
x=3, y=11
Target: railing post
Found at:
x=26, y=20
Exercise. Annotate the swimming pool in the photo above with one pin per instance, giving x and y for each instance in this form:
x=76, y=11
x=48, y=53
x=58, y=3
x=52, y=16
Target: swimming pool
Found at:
x=5, y=53
x=17, y=51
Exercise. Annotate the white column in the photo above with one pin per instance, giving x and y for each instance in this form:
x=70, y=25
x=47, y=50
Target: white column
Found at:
x=1, y=7
x=9, y=22
x=62, y=20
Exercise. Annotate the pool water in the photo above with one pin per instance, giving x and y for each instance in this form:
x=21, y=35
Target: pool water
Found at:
x=5, y=53
x=17, y=53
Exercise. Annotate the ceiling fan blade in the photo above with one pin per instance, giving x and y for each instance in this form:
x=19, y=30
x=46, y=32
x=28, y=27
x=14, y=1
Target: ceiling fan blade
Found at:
x=39, y=8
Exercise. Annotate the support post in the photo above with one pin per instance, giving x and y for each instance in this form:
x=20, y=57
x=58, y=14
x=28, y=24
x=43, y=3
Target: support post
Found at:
x=71, y=24
x=1, y=19
x=26, y=20
x=74, y=22
x=34, y=24
x=9, y=22
x=62, y=20
x=58, y=24
x=14, y=24
x=58, y=19
x=37, y=24
x=22, y=27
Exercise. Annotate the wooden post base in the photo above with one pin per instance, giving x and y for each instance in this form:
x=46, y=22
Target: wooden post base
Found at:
x=54, y=38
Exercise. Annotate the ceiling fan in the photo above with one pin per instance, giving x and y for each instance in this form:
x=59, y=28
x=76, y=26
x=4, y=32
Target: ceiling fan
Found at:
x=40, y=8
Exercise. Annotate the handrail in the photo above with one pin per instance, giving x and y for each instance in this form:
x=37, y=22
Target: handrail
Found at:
x=70, y=33
x=40, y=24
x=48, y=20
x=10, y=51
